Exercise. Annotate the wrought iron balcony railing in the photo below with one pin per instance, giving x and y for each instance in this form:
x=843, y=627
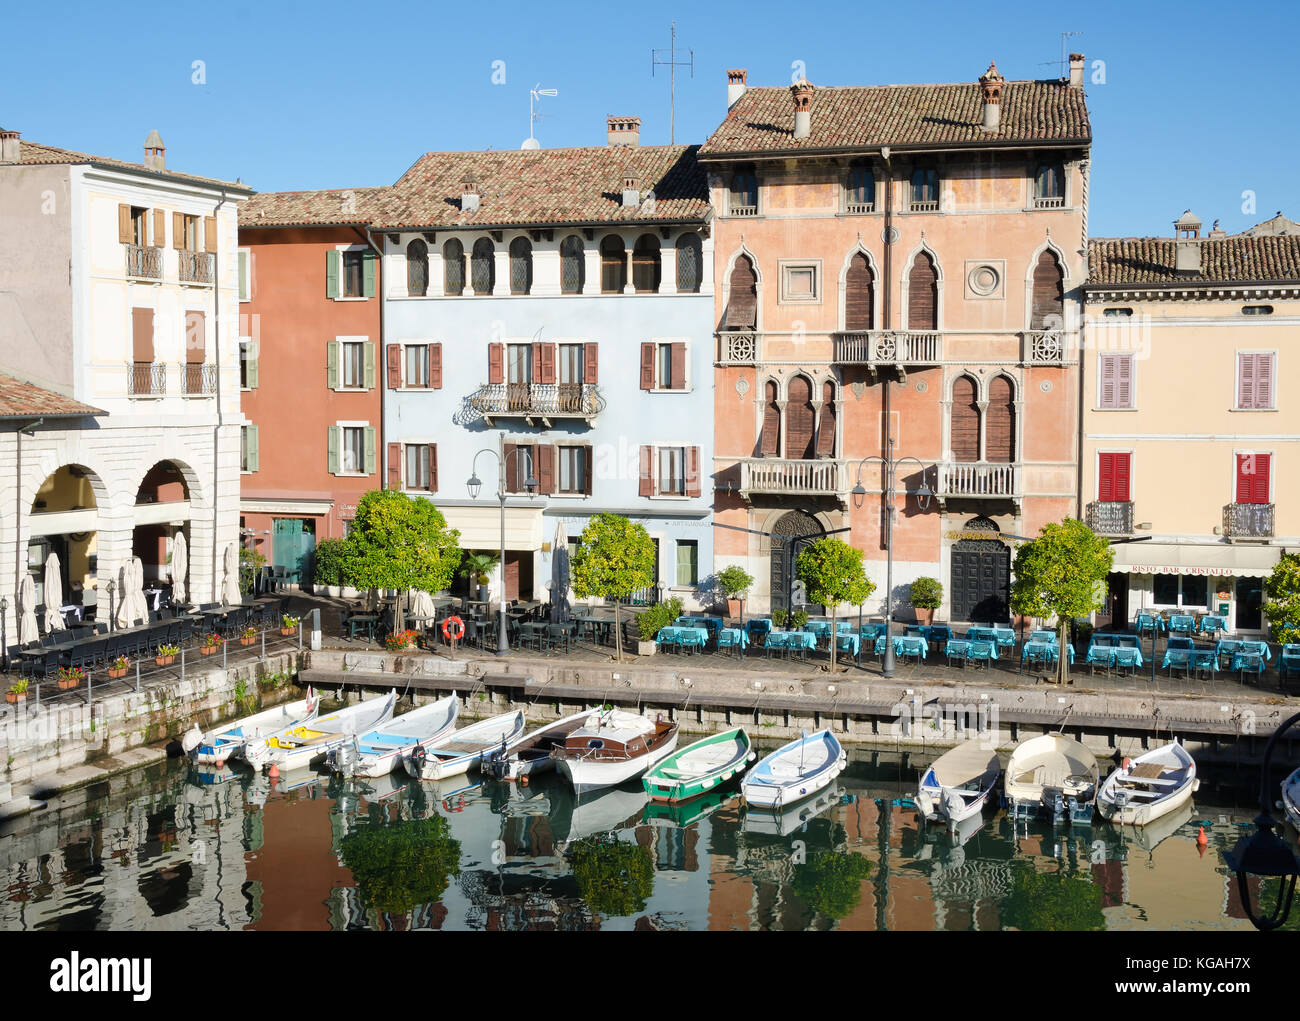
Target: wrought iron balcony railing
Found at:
x=792, y=477
x=543, y=400
x=143, y=261
x=197, y=267
x=889, y=347
x=1248, y=520
x=1110, y=517
x=977, y=479
x=198, y=379
x=146, y=379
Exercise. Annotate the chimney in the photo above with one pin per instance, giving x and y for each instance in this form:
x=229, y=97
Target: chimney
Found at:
x=991, y=87
x=10, y=147
x=1076, y=70
x=153, y=152
x=802, y=91
x=624, y=130
x=1187, y=243
x=468, y=196
x=736, y=78
x=631, y=190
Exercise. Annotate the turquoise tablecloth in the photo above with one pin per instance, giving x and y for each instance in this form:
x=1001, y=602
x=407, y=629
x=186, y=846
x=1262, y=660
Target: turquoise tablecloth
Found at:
x=683, y=636
x=904, y=646
x=734, y=636
x=1231, y=646
x=795, y=639
x=1049, y=649
x=1104, y=655
x=1002, y=635
x=712, y=624
x=848, y=643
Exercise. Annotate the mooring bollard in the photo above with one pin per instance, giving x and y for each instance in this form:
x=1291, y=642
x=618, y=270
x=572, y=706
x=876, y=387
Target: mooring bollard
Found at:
x=137, y=674
x=223, y=654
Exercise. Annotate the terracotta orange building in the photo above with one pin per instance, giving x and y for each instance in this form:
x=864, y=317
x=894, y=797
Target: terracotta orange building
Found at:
x=897, y=263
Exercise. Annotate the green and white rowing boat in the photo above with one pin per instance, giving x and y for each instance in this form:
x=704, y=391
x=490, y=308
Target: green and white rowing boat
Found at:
x=700, y=767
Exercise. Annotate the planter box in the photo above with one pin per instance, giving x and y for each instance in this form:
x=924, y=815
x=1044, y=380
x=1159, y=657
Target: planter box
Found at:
x=287, y=631
x=248, y=641
x=164, y=660
x=15, y=696
x=208, y=650
x=924, y=616
x=646, y=648
x=115, y=674
x=67, y=685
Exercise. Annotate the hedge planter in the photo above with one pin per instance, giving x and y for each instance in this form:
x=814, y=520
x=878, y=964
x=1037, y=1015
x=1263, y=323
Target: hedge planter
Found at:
x=646, y=648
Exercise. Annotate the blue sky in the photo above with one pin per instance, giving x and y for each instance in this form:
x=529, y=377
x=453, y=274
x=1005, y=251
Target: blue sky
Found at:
x=1195, y=108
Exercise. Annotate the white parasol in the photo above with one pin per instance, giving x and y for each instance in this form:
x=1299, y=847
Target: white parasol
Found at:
x=53, y=595
x=139, y=605
x=230, y=590
x=419, y=603
x=124, y=607
x=28, y=630
x=180, y=564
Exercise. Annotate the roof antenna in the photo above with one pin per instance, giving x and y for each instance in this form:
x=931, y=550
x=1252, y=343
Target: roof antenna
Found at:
x=672, y=63
x=534, y=95
x=1064, y=64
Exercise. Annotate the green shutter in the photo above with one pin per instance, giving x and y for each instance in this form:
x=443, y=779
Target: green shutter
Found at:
x=250, y=366
x=332, y=260
x=250, y=439
x=243, y=276
x=370, y=450
x=335, y=434
x=368, y=274
x=332, y=364
x=370, y=365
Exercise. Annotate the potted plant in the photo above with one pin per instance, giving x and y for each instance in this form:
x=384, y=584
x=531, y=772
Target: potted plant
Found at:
x=288, y=625
x=652, y=621
x=926, y=597
x=798, y=619
x=735, y=582
x=248, y=636
x=478, y=567
x=119, y=667
x=17, y=691
x=167, y=655
x=779, y=617
x=70, y=677
x=209, y=644
x=400, y=640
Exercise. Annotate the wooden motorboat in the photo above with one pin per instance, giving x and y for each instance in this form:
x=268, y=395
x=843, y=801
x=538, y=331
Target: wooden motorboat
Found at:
x=457, y=752
x=619, y=746
x=377, y=751
x=959, y=783
x=795, y=771
x=700, y=766
x=1291, y=798
x=531, y=753
x=1154, y=784
x=1053, y=777
x=298, y=747
x=219, y=745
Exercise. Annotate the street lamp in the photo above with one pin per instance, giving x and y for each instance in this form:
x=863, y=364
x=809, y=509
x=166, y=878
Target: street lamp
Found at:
x=474, y=484
x=1264, y=853
x=890, y=465
x=4, y=638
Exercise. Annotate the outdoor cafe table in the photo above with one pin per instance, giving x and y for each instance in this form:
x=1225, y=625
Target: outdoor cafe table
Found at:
x=1003, y=636
x=734, y=636
x=871, y=631
x=1288, y=660
x=1044, y=650
x=1182, y=622
x=795, y=639
x=1212, y=623
x=1044, y=635
x=823, y=627
x=848, y=643
x=696, y=637
x=1231, y=646
x=1148, y=621
x=713, y=624
x=367, y=622
x=1104, y=655
x=905, y=646
x=596, y=627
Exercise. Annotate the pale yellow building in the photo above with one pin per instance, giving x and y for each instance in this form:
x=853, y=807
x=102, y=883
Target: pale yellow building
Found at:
x=1190, y=428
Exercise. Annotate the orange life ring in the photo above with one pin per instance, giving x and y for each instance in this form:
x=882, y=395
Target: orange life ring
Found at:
x=453, y=629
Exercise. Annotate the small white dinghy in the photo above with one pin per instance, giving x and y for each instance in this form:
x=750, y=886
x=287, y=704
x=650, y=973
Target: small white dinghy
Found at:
x=1054, y=777
x=377, y=751
x=455, y=753
x=1291, y=798
x=223, y=743
x=795, y=771
x=1154, y=784
x=530, y=753
x=958, y=784
x=298, y=747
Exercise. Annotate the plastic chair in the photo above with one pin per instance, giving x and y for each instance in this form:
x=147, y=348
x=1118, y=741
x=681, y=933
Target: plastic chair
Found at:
x=980, y=652
x=775, y=643
x=957, y=649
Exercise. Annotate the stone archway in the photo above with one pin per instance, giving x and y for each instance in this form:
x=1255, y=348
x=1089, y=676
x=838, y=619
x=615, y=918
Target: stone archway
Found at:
x=980, y=581
x=790, y=534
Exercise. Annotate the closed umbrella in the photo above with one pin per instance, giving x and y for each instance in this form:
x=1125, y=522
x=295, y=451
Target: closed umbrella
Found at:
x=560, y=576
x=53, y=595
x=125, y=605
x=139, y=605
x=420, y=602
x=231, y=590
x=180, y=564
x=28, y=630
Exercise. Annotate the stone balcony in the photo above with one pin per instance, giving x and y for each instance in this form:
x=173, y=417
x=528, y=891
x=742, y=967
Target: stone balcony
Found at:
x=889, y=347
x=978, y=480
x=775, y=476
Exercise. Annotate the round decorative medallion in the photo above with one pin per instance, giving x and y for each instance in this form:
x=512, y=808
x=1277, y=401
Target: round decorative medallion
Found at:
x=1045, y=386
x=742, y=386
x=983, y=280
x=889, y=236
x=922, y=386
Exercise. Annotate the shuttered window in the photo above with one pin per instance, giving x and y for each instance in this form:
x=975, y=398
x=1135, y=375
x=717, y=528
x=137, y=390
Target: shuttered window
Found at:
x=571, y=363
x=858, y=294
x=744, y=192
x=860, y=191
x=826, y=425
x=923, y=294
x=1115, y=379
x=690, y=264
x=771, y=422
x=354, y=275
x=1000, y=430
x=799, y=417
x=1049, y=294
x=1253, y=472
x=924, y=192
x=1113, y=474
x=688, y=562
x=482, y=268
x=646, y=266
x=1255, y=381
x=417, y=365
x=453, y=268
x=421, y=466
x=573, y=470
x=417, y=268
x=521, y=266
x=248, y=366
x=672, y=471
x=573, y=268
x=742, y=296
x=965, y=421
x=613, y=265
x=1049, y=186
x=245, y=268
x=248, y=457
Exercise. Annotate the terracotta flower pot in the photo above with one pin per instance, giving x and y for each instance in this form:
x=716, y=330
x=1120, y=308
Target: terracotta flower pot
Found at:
x=15, y=696
x=207, y=650
x=164, y=660
x=287, y=631
x=248, y=641
x=115, y=673
x=67, y=683
x=733, y=609
x=924, y=616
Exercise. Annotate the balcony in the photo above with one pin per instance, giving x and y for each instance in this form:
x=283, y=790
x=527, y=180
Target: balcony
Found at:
x=738, y=210
x=146, y=379
x=738, y=347
x=1049, y=201
x=782, y=477
x=973, y=480
x=923, y=206
x=197, y=267
x=542, y=401
x=198, y=379
x=143, y=261
x=1248, y=520
x=889, y=347
x=1110, y=517
x=1043, y=347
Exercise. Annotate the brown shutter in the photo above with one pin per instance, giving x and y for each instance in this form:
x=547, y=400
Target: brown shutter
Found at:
x=125, y=233
x=545, y=468
x=1000, y=432
x=646, y=485
x=858, y=295
x=159, y=228
x=142, y=334
x=1049, y=294
x=394, y=466
x=587, y=459
x=692, y=471
x=647, y=366
x=799, y=419
x=742, y=296
x=826, y=427
x=209, y=233
x=394, y=366
x=433, y=467
x=435, y=366
x=178, y=231
x=965, y=421
x=677, y=358
x=922, y=294
x=496, y=363
x=546, y=372
x=536, y=367
x=195, y=337
x=771, y=424
x=591, y=365
x=512, y=468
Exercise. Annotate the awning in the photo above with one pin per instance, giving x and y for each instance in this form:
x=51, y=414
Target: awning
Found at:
x=1220, y=560
x=480, y=526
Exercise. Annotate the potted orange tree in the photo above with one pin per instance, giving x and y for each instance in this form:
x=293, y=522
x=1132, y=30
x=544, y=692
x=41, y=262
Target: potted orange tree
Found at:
x=734, y=582
x=926, y=597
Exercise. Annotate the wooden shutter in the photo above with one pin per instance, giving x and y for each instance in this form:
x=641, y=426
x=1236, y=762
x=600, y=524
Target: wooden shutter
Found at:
x=160, y=229
x=544, y=359
x=496, y=363
x=435, y=366
x=587, y=459
x=512, y=467
x=332, y=364
x=395, y=466
x=1264, y=381
x=178, y=231
x=368, y=357
x=799, y=419
x=1109, y=372
x=826, y=427
x=545, y=468
x=125, y=231
x=394, y=366
x=368, y=274
x=1252, y=477
x=196, y=338
x=646, y=483
x=1113, y=475
x=1123, y=381
x=742, y=296
x=590, y=365
x=692, y=471
x=333, y=448
x=250, y=447
x=647, y=366
x=142, y=334
x=771, y=424
x=370, y=442
x=244, y=290
x=677, y=359
x=332, y=261
x=922, y=294
x=1000, y=430
x=858, y=297
x=1255, y=381
x=433, y=467
x=965, y=421
x=250, y=364
x=1049, y=294
x=209, y=233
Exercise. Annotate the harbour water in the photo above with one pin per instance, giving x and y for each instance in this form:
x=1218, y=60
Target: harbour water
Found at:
x=173, y=849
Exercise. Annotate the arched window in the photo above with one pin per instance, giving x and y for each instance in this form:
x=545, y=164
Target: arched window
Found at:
x=858, y=295
x=453, y=268
x=646, y=268
x=923, y=294
x=690, y=264
x=573, y=265
x=1049, y=294
x=744, y=192
x=965, y=432
x=742, y=298
x=860, y=192
x=826, y=426
x=799, y=419
x=482, y=267
x=417, y=269
x=521, y=266
x=1049, y=186
x=771, y=422
x=1000, y=428
x=613, y=265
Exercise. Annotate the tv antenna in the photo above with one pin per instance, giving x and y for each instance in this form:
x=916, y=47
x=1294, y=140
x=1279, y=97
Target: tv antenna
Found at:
x=1064, y=63
x=672, y=63
x=535, y=95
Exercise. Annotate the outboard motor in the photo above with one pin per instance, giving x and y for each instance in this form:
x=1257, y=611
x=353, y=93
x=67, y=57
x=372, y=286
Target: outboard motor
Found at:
x=497, y=763
x=343, y=759
x=416, y=760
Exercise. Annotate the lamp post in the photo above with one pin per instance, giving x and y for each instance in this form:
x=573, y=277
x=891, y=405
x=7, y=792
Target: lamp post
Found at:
x=112, y=615
x=474, y=484
x=4, y=637
x=889, y=466
x=1264, y=853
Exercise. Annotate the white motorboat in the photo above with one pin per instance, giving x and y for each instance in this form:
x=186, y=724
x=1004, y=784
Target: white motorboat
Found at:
x=1154, y=784
x=1054, y=777
x=615, y=746
x=795, y=771
x=377, y=751
x=226, y=742
x=530, y=753
x=298, y=747
x=959, y=783
x=455, y=753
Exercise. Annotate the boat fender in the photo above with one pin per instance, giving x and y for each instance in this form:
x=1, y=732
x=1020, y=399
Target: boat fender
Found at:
x=1201, y=838
x=925, y=803
x=1127, y=764
x=273, y=772
x=523, y=780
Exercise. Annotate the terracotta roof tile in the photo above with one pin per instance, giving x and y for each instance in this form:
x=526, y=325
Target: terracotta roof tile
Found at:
x=762, y=120
x=329, y=207
x=1238, y=258
x=35, y=153
x=19, y=399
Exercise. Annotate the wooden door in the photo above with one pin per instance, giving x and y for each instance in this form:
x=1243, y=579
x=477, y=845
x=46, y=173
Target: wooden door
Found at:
x=981, y=583
x=1000, y=432
x=965, y=421
x=799, y=419
x=922, y=294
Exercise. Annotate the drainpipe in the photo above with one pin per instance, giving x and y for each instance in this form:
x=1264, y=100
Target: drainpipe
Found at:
x=20, y=556
x=381, y=366
x=216, y=430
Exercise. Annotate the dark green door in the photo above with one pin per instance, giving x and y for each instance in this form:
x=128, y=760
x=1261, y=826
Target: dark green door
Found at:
x=293, y=541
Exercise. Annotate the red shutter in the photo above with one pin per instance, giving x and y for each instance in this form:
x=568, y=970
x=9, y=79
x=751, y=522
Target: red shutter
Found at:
x=1245, y=381
x=1252, y=477
x=677, y=358
x=692, y=471
x=496, y=363
x=394, y=366
x=587, y=458
x=394, y=466
x=1263, y=381
x=435, y=366
x=545, y=468
x=536, y=367
x=1123, y=472
x=1113, y=477
x=647, y=480
x=591, y=366
x=433, y=467
x=647, y=367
